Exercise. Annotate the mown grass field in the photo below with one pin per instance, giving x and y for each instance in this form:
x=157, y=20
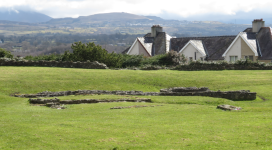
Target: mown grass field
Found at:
x=181, y=123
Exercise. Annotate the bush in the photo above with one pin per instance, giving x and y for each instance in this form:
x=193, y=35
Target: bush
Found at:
x=155, y=60
x=91, y=52
x=132, y=60
x=176, y=58
x=4, y=53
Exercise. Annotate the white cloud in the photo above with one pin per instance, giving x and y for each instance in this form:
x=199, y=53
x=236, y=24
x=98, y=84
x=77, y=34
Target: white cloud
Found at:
x=75, y=8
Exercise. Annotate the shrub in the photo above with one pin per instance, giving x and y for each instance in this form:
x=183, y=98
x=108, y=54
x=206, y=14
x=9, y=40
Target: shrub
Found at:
x=176, y=58
x=132, y=60
x=4, y=53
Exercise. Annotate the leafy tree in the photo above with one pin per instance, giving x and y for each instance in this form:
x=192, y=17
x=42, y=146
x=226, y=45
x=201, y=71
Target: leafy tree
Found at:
x=89, y=51
x=4, y=53
x=92, y=52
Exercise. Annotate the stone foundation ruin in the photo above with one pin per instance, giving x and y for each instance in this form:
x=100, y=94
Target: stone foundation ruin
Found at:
x=241, y=95
x=58, y=104
x=56, y=101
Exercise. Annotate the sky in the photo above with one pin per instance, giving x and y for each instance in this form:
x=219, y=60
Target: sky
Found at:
x=167, y=9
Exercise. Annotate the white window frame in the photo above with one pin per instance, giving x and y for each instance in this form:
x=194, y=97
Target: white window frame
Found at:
x=247, y=56
x=235, y=58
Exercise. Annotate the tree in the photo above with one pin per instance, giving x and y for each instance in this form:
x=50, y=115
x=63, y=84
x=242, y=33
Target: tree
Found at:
x=92, y=52
x=4, y=53
x=88, y=51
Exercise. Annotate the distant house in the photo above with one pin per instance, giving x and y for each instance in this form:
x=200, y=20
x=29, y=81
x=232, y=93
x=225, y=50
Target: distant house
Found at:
x=121, y=44
x=253, y=43
x=202, y=48
x=243, y=46
x=154, y=43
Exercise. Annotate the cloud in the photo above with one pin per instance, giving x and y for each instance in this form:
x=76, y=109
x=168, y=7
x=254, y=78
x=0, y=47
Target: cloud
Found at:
x=174, y=8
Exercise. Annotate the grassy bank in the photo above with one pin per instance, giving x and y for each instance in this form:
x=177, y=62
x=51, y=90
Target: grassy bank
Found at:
x=181, y=123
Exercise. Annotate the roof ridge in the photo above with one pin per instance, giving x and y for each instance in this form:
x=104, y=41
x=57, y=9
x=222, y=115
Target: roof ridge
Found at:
x=207, y=36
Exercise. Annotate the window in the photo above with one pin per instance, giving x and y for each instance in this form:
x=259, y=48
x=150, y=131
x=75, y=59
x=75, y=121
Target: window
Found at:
x=249, y=57
x=233, y=58
x=201, y=59
x=195, y=55
x=191, y=58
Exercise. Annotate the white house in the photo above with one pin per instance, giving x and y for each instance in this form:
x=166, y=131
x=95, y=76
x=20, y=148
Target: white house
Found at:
x=243, y=47
x=154, y=43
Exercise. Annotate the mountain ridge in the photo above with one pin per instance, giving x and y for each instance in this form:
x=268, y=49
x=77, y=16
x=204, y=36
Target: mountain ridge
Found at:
x=102, y=17
x=24, y=16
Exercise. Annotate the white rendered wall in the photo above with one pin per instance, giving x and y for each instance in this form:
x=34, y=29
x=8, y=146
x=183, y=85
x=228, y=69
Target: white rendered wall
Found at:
x=190, y=50
x=135, y=49
x=235, y=50
x=138, y=49
x=246, y=51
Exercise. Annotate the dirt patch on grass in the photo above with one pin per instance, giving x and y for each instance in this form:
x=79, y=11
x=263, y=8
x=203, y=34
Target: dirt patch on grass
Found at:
x=263, y=98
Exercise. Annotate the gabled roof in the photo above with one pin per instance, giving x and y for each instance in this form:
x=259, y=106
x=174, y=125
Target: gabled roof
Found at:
x=214, y=46
x=146, y=44
x=264, y=41
x=197, y=45
x=153, y=46
x=248, y=38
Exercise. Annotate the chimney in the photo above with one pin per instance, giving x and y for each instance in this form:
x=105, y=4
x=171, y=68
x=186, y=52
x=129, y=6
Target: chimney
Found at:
x=257, y=24
x=155, y=29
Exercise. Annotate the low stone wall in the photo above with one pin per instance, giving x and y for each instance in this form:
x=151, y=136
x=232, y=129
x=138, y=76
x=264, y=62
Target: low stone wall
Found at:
x=82, y=101
x=204, y=66
x=231, y=95
x=204, y=91
x=185, y=89
x=176, y=91
x=85, y=92
x=62, y=64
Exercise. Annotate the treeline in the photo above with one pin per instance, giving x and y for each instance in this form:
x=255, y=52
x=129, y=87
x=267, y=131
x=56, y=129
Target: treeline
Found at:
x=58, y=43
x=91, y=52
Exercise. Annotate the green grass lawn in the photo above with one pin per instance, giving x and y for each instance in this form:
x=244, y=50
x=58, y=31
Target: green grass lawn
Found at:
x=181, y=123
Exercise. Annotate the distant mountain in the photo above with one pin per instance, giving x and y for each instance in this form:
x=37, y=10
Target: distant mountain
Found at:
x=23, y=16
x=240, y=17
x=105, y=17
x=155, y=18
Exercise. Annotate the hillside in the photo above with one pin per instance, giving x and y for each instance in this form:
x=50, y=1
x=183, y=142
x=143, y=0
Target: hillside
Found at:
x=98, y=18
x=24, y=16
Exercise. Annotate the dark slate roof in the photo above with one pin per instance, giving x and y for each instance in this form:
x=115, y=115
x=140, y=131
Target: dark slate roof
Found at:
x=248, y=30
x=251, y=35
x=149, y=39
x=215, y=46
x=126, y=50
x=264, y=43
x=147, y=35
